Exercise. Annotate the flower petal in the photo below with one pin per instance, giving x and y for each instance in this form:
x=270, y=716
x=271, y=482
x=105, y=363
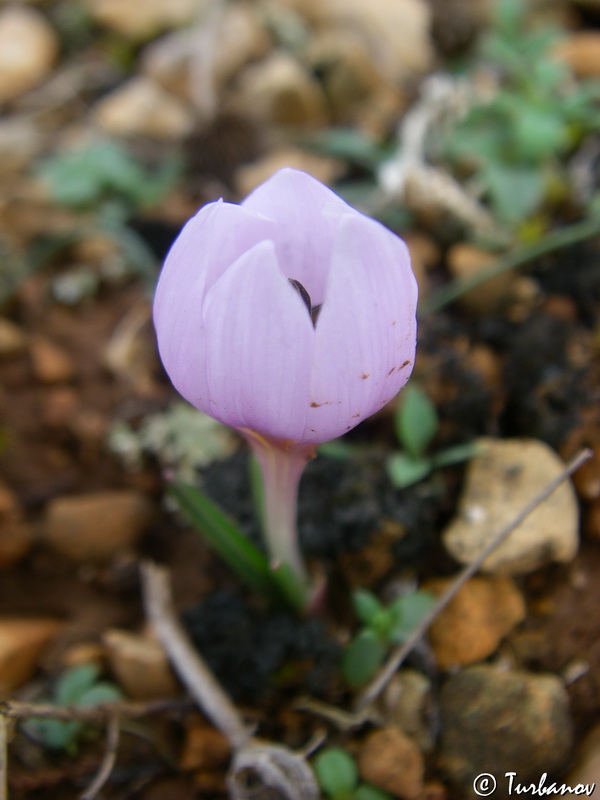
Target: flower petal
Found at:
x=307, y=214
x=259, y=347
x=208, y=244
x=366, y=331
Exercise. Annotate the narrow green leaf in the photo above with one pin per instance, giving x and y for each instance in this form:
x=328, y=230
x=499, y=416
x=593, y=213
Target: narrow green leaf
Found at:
x=362, y=657
x=336, y=772
x=225, y=539
x=290, y=587
x=416, y=421
x=367, y=792
x=455, y=455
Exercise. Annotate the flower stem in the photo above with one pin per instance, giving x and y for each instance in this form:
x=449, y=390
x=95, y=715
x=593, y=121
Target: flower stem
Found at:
x=282, y=464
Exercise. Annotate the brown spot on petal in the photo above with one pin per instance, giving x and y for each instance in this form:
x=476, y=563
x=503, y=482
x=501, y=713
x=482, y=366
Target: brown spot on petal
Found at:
x=392, y=369
x=406, y=363
x=394, y=322
x=354, y=416
x=318, y=405
x=364, y=376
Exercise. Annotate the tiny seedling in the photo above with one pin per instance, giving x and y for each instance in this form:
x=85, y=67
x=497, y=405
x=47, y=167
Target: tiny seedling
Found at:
x=338, y=778
x=381, y=627
x=416, y=424
x=514, y=140
x=79, y=687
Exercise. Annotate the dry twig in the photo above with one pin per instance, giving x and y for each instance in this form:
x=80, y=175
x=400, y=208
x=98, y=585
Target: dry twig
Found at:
x=400, y=653
x=277, y=769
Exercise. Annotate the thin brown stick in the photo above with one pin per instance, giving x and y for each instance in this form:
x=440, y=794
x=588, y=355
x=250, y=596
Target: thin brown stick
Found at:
x=3, y=758
x=102, y=713
x=186, y=661
x=400, y=653
x=108, y=762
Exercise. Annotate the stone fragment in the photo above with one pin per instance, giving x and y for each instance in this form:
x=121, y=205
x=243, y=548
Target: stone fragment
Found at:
x=21, y=643
x=249, y=176
x=581, y=52
x=357, y=91
x=204, y=747
x=392, y=762
x=16, y=537
x=397, y=33
x=21, y=142
x=12, y=338
x=464, y=261
x=141, y=19
x=28, y=49
x=173, y=63
x=140, y=665
x=406, y=704
x=280, y=91
x=96, y=527
x=499, y=484
x=496, y=722
x=51, y=364
x=424, y=255
x=140, y=107
x=587, y=764
x=475, y=621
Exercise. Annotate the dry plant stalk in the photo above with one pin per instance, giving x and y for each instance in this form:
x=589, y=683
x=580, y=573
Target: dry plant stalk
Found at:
x=279, y=771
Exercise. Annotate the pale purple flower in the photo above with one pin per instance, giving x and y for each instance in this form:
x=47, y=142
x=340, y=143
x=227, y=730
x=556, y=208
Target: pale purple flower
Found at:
x=237, y=337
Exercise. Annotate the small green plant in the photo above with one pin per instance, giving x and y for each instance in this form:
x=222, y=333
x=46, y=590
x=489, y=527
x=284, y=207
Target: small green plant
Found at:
x=103, y=170
x=337, y=775
x=416, y=424
x=105, y=181
x=514, y=140
x=381, y=627
x=80, y=687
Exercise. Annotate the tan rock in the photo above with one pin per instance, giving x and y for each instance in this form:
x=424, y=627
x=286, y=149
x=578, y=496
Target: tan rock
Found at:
x=397, y=33
x=140, y=107
x=499, y=484
x=141, y=19
x=12, y=338
x=16, y=537
x=279, y=90
x=173, y=62
x=203, y=747
x=587, y=764
x=21, y=643
x=464, y=262
x=249, y=176
x=28, y=49
x=581, y=52
x=96, y=527
x=406, y=704
x=473, y=624
x=392, y=762
x=140, y=665
x=506, y=720
x=51, y=364
x=424, y=255
x=348, y=73
x=21, y=142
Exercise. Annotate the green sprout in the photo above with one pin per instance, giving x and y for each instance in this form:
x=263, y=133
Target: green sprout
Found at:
x=382, y=626
x=103, y=180
x=80, y=687
x=416, y=424
x=514, y=143
x=337, y=775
